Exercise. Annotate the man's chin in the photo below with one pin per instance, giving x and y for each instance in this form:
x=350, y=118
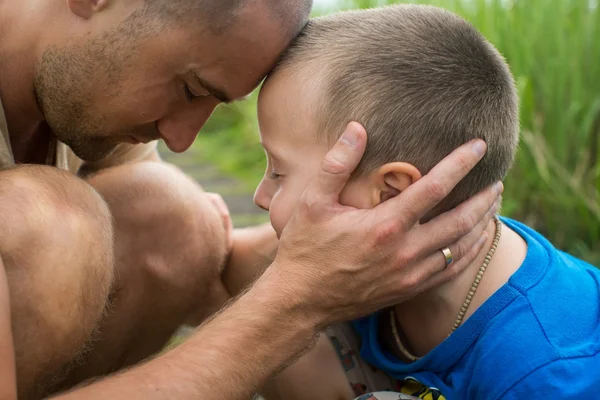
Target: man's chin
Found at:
x=93, y=151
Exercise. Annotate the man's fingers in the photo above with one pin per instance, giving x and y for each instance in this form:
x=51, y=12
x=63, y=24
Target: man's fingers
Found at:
x=432, y=271
x=419, y=198
x=434, y=262
x=339, y=163
x=472, y=215
x=450, y=272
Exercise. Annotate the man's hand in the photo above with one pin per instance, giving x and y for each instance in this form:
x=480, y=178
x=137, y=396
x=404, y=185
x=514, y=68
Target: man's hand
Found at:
x=337, y=263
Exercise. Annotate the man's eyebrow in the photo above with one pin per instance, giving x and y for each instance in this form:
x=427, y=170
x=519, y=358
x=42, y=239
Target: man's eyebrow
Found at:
x=220, y=94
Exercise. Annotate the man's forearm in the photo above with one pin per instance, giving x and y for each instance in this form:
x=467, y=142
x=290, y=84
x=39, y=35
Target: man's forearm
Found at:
x=229, y=357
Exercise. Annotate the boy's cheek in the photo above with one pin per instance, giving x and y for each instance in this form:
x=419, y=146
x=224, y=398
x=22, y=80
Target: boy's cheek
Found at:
x=277, y=223
x=358, y=195
x=278, y=220
x=280, y=213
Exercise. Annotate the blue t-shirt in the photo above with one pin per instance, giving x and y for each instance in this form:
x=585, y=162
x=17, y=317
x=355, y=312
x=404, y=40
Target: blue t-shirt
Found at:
x=537, y=337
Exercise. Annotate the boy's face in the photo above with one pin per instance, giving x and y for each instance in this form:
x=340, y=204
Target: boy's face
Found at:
x=294, y=155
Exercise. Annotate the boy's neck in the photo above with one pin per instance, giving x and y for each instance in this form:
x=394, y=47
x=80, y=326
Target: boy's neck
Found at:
x=426, y=320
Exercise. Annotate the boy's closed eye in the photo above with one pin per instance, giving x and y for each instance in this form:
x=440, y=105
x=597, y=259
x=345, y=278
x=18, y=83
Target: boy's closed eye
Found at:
x=274, y=175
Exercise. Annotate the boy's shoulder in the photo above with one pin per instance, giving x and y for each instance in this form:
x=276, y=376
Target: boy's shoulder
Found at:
x=548, y=329
x=538, y=334
x=523, y=360
x=565, y=379
x=520, y=350
x=559, y=293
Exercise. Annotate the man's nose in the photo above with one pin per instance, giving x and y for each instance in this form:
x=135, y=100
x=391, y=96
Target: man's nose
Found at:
x=180, y=127
x=261, y=197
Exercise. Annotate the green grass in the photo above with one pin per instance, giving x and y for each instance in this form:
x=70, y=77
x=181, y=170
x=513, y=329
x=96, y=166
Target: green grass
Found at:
x=230, y=140
x=553, y=49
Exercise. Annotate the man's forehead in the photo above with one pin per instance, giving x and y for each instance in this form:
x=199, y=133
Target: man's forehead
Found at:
x=251, y=47
x=231, y=70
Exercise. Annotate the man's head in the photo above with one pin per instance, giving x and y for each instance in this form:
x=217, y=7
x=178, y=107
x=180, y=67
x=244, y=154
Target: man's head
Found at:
x=421, y=80
x=125, y=71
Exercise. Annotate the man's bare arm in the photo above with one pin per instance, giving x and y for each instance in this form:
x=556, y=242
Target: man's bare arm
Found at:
x=230, y=357
x=334, y=263
x=8, y=381
x=317, y=375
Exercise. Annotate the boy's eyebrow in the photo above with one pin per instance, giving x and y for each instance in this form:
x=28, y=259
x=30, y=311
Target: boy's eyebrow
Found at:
x=220, y=94
x=268, y=151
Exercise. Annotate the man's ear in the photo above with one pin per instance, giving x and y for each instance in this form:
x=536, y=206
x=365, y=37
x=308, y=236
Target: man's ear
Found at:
x=391, y=179
x=86, y=8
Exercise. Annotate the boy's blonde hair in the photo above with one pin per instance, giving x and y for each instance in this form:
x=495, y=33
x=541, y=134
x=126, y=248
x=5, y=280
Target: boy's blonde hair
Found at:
x=420, y=79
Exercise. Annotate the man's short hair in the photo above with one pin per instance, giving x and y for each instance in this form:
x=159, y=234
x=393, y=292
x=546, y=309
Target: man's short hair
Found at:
x=420, y=79
x=222, y=13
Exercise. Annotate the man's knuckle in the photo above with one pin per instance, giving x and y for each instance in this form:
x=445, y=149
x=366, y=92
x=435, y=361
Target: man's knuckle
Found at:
x=411, y=280
x=464, y=224
x=437, y=190
x=310, y=205
x=461, y=250
x=333, y=166
x=386, y=230
x=307, y=204
x=452, y=271
x=405, y=258
x=407, y=217
x=465, y=165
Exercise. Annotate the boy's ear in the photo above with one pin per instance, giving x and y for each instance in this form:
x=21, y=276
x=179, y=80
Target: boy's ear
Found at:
x=393, y=178
x=86, y=8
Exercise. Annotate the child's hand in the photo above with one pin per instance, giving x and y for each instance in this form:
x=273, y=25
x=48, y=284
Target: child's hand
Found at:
x=223, y=211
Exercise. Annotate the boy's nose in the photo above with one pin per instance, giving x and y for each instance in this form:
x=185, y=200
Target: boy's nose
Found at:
x=180, y=128
x=261, y=198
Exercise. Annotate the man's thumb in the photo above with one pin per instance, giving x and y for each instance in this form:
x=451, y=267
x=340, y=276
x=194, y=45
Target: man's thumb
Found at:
x=341, y=161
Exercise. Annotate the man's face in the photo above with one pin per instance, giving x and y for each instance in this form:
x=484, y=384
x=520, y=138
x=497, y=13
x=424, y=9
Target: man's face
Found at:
x=122, y=86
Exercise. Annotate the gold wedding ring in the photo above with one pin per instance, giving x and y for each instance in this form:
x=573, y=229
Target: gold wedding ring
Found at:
x=448, y=255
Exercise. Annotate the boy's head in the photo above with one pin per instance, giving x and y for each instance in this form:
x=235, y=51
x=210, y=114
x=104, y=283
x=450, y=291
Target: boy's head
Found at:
x=421, y=80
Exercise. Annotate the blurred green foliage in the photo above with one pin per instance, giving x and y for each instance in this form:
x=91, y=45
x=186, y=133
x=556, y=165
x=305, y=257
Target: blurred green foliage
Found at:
x=553, y=48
